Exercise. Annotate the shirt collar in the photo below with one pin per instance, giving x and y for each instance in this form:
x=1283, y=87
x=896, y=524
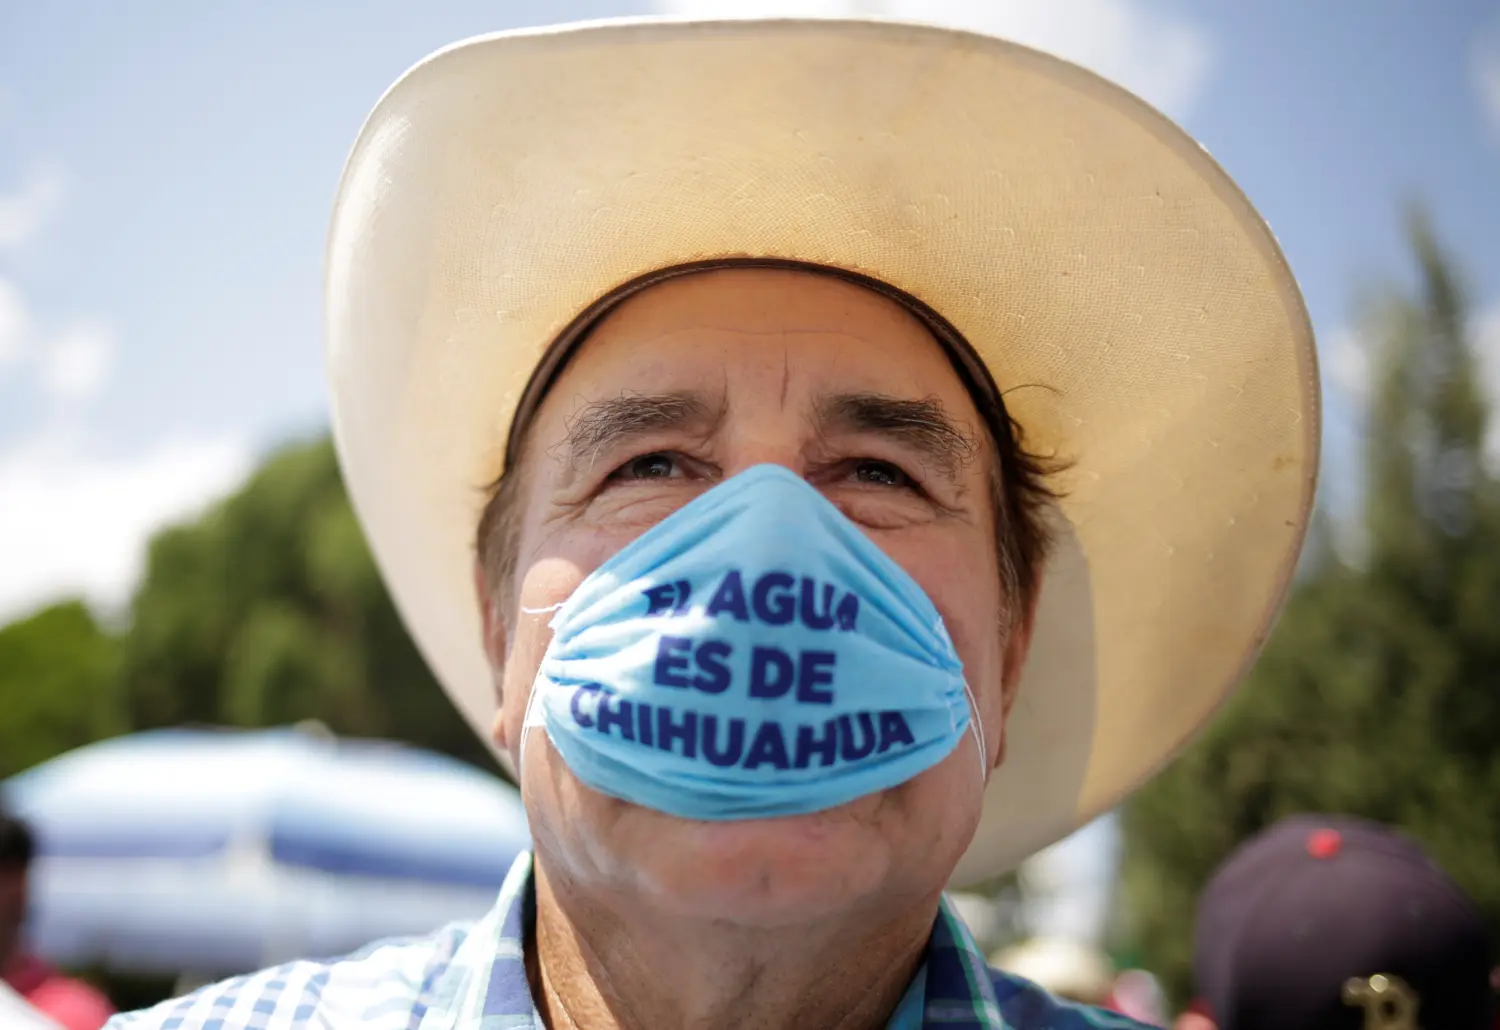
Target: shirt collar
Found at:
x=960, y=991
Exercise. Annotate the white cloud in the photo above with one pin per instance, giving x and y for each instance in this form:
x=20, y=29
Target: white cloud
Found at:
x=23, y=213
x=1162, y=58
x=761, y=8
x=1346, y=364
x=73, y=521
x=1486, y=73
x=76, y=365
x=1487, y=337
x=15, y=324
x=71, y=366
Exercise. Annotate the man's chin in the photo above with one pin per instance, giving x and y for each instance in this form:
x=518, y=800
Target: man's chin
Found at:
x=764, y=871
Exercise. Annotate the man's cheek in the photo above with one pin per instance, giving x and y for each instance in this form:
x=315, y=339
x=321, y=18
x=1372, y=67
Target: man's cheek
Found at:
x=531, y=638
x=524, y=660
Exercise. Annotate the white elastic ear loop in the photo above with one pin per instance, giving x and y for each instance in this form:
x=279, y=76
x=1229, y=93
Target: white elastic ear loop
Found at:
x=528, y=721
x=543, y=611
x=976, y=726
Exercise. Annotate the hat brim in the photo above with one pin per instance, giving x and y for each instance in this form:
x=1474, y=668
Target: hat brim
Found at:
x=1129, y=300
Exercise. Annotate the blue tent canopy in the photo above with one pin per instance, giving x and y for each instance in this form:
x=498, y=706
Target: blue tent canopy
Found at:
x=221, y=851
x=344, y=806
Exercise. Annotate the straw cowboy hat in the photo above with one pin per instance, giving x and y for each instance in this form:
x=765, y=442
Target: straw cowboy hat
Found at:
x=1120, y=289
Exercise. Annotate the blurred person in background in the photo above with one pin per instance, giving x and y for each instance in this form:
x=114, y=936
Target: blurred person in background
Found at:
x=789, y=603
x=1335, y=923
x=1139, y=995
x=71, y=1003
x=1069, y=969
x=1080, y=972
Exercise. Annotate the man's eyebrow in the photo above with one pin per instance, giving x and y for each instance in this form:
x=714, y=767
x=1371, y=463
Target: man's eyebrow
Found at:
x=922, y=425
x=609, y=422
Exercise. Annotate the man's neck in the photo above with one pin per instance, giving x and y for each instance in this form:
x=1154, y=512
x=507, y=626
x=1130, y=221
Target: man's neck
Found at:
x=593, y=967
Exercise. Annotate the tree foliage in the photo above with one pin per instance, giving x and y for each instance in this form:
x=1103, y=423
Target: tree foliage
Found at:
x=1377, y=693
x=266, y=611
x=269, y=610
x=58, y=685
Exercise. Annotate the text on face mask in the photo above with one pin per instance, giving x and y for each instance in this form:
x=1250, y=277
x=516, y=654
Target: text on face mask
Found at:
x=710, y=666
x=774, y=598
x=735, y=741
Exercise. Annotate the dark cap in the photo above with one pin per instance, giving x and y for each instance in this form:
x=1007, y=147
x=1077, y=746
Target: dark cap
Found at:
x=1322, y=920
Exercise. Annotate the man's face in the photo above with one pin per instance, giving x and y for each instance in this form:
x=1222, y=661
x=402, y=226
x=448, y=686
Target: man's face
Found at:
x=691, y=382
x=12, y=911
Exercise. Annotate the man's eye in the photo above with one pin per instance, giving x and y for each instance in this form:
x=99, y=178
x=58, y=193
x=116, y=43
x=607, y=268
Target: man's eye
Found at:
x=881, y=473
x=648, y=466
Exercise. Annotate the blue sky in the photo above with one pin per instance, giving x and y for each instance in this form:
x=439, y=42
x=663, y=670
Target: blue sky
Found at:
x=166, y=171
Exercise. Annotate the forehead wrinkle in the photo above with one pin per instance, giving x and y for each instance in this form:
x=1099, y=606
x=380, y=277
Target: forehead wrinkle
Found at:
x=608, y=421
x=733, y=327
x=921, y=424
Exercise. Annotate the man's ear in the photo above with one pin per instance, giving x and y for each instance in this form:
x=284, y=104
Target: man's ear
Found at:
x=1012, y=662
x=493, y=629
x=1017, y=647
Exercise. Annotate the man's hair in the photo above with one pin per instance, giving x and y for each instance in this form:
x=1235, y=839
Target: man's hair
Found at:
x=17, y=845
x=1019, y=486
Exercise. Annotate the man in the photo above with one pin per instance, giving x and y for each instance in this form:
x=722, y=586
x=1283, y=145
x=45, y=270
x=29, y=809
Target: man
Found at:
x=70, y=1003
x=1330, y=922
x=899, y=441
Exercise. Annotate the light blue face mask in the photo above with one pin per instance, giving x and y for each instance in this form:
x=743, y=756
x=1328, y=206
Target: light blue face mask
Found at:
x=754, y=654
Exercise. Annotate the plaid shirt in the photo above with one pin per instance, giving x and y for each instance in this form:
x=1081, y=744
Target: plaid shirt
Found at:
x=473, y=977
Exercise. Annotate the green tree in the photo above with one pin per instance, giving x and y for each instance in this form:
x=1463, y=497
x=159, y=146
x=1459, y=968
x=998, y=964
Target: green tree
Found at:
x=59, y=687
x=269, y=610
x=1376, y=694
